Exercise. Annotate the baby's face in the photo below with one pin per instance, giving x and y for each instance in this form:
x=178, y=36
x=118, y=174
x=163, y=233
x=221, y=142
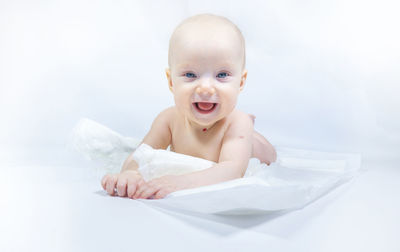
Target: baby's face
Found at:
x=206, y=74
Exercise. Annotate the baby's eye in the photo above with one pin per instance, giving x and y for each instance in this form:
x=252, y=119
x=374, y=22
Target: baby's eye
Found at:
x=190, y=75
x=222, y=75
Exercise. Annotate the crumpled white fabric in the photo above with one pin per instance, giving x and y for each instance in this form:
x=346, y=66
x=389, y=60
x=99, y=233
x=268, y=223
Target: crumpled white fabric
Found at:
x=297, y=178
x=99, y=143
x=155, y=163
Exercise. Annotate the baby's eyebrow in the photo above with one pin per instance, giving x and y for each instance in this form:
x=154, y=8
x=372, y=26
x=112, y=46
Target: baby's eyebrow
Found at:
x=223, y=66
x=184, y=65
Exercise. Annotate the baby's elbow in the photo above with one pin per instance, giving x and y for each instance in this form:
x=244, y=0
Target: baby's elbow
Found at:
x=273, y=154
x=271, y=157
x=242, y=170
x=235, y=170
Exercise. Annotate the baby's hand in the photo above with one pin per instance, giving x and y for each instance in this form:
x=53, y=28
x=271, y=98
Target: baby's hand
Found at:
x=126, y=183
x=160, y=187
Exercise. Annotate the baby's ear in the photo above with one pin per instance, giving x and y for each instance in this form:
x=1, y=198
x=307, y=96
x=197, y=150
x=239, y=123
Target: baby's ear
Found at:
x=243, y=79
x=168, y=73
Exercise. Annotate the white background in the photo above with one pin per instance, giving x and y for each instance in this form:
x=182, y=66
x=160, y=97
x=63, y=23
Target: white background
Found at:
x=322, y=75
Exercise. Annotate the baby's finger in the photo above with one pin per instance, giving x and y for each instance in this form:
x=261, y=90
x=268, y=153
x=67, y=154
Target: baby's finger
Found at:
x=104, y=181
x=121, y=186
x=111, y=184
x=133, y=185
x=131, y=189
x=150, y=191
x=141, y=186
x=161, y=194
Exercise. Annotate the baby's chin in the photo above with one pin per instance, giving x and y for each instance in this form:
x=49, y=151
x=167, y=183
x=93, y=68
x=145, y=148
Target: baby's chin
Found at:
x=202, y=123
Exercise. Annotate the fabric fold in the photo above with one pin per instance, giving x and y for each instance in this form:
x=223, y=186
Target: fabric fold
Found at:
x=297, y=178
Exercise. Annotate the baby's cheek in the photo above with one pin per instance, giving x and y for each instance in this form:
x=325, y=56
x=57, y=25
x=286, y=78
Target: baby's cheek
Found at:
x=182, y=98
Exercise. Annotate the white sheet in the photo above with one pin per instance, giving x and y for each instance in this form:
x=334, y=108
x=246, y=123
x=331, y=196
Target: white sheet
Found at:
x=63, y=208
x=296, y=179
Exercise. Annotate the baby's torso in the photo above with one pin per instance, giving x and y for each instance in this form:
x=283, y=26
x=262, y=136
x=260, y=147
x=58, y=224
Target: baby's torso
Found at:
x=203, y=144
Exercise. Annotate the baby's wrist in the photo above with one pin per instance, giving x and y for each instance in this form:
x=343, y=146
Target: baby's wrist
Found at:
x=131, y=171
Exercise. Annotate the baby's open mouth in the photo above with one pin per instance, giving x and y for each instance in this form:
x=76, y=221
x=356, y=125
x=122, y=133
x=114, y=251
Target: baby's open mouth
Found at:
x=205, y=107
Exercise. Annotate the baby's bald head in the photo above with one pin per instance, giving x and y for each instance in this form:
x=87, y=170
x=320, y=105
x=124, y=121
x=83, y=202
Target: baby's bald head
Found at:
x=206, y=29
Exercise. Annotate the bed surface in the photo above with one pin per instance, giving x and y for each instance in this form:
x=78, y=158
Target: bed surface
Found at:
x=54, y=208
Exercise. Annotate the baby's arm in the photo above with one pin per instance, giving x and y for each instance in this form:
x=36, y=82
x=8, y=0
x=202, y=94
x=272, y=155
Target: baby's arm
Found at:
x=129, y=179
x=232, y=164
x=234, y=156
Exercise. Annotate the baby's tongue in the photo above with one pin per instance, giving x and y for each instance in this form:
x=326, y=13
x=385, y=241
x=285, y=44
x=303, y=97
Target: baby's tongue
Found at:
x=205, y=105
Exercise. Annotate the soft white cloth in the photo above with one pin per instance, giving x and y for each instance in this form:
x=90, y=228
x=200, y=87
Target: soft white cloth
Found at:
x=296, y=179
x=97, y=142
x=157, y=163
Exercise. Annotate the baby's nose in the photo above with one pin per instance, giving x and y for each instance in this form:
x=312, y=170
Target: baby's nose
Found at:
x=205, y=90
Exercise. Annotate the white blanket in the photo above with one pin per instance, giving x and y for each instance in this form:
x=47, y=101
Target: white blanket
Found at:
x=297, y=178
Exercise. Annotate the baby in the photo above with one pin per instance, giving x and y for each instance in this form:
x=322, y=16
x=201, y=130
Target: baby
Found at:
x=206, y=74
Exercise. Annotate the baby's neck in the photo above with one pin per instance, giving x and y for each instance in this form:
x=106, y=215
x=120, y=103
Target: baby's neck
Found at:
x=201, y=128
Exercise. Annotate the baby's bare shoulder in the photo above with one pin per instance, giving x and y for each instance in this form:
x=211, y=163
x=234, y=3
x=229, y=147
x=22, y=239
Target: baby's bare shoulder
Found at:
x=239, y=121
x=170, y=117
x=168, y=113
x=238, y=116
x=159, y=136
x=164, y=119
